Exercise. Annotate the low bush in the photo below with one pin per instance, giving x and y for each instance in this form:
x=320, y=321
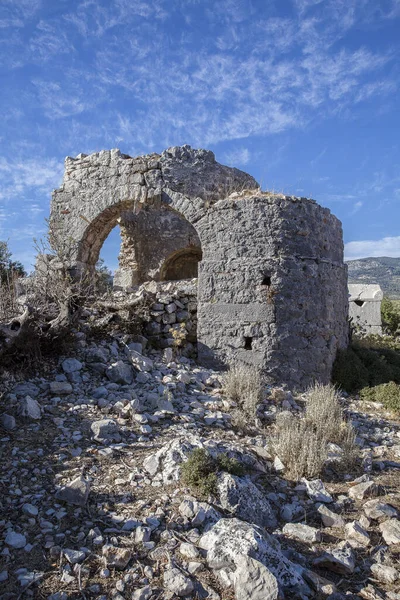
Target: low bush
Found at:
x=200, y=470
x=387, y=393
x=302, y=442
x=243, y=385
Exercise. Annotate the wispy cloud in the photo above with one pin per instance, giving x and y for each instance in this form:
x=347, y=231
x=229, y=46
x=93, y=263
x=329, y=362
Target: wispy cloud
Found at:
x=19, y=176
x=387, y=246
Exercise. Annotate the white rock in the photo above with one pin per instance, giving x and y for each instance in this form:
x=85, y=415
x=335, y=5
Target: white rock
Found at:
x=230, y=539
x=316, y=491
x=177, y=583
x=358, y=536
x=189, y=550
x=339, y=560
x=244, y=500
x=391, y=531
x=385, y=573
x=301, y=532
x=76, y=492
x=30, y=510
x=253, y=581
x=330, y=518
x=376, y=509
x=366, y=489
x=143, y=593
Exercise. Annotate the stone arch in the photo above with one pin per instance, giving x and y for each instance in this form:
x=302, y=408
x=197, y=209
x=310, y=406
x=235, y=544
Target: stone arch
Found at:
x=182, y=264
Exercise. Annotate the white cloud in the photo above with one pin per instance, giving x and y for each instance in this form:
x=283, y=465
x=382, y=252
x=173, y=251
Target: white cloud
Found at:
x=387, y=246
x=356, y=207
x=240, y=156
x=18, y=176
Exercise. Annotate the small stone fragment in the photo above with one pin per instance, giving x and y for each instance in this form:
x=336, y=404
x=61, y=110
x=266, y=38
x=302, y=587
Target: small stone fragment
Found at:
x=316, y=491
x=76, y=492
x=339, y=560
x=177, y=583
x=357, y=535
x=15, y=540
x=71, y=365
x=105, y=431
x=60, y=388
x=301, y=532
x=253, y=581
x=385, y=573
x=366, y=489
x=8, y=422
x=30, y=409
x=391, y=531
x=330, y=518
x=376, y=509
x=117, y=558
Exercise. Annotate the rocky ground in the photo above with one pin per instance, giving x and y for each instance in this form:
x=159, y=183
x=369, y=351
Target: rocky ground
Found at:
x=93, y=504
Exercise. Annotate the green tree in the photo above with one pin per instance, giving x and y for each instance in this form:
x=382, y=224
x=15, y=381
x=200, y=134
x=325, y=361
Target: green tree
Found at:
x=390, y=311
x=9, y=269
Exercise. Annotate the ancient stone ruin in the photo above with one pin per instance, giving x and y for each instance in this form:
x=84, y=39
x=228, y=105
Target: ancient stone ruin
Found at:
x=272, y=285
x=365, y=308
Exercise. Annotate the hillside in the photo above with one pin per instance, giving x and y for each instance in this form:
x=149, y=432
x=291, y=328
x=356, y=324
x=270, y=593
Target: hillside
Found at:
x=382, y=270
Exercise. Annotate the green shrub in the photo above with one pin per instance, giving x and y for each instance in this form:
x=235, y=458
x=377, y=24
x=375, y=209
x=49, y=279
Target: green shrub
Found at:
x=387, y=393
x=348, y=371
x=390, y=311
x=379, y=371
x=201, y=469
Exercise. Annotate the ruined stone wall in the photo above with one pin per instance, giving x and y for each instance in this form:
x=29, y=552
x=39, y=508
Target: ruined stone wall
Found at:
x=272, y=286
x=365, y=308
x=150, y=239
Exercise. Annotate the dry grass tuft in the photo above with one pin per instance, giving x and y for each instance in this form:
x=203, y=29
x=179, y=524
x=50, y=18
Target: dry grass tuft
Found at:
x=302, y=442
x=243, y=385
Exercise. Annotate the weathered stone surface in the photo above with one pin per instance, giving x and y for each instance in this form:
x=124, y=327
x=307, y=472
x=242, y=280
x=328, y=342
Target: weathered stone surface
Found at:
x=30, y=409
x=76, y=492
x=120, y=372
x=244, y=500
x=301, y=532
x=329, y=518
x=365, y=307
x=105, y=431
x=316, y=491
x=391, y=531
x=253, y=581
x=8, y=422
x=15, y=540
x=340, y=560
x=176, y=582
x=263, y=256
x=117, y=558
x=385, y=573
x=356, y=535
x=230, y=539
x=71, y=365
x=60, y=388
x=377, y=509
x=366, y=489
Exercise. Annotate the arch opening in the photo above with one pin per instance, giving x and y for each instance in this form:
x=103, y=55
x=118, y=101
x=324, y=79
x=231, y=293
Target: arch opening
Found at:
x=182, y=264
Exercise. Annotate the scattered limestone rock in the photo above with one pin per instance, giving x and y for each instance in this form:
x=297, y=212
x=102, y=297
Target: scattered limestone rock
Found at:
x=385, y=573
x=8, y=422
x=376, y=509
x=15, y=540
x=244, y=500
x=105, y=431
x=253, y=581
x=301, y=532
x=365, y=489
x=231, y=539
x=76, y=492
x=177, y=583
x=71, y=365
x=116, y=558
x=330, y=518
x=60, y=388
x=356, y=535
x=391, y=531
x=29, y=408
x=316, y=491
x=339, y=560
x=120, y=372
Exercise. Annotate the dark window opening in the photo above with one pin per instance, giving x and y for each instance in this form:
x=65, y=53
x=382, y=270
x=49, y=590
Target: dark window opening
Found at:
x=266, y=280
x=248, y=341
x=359, y=302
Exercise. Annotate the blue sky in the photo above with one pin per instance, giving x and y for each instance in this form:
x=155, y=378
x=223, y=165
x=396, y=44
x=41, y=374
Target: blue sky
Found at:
x=302, y=94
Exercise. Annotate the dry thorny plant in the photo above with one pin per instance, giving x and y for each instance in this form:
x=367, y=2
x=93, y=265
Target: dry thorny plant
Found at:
x=302, y=443
x=243, y=385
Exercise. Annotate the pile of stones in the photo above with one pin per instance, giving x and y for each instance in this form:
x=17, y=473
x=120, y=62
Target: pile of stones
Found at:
x=94, y=504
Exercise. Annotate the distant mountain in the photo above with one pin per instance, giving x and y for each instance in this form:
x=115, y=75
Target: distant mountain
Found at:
x=382, y=270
